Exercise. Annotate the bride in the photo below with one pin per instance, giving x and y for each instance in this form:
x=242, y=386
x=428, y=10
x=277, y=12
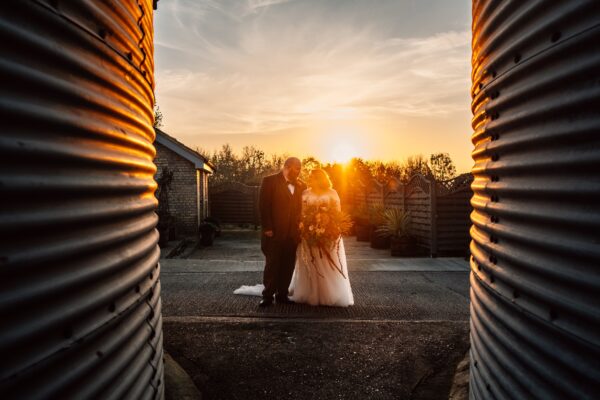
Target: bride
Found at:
x=321, y=279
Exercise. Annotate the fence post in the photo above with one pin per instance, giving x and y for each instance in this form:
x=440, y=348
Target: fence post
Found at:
x=256, y=208
x=433, y=211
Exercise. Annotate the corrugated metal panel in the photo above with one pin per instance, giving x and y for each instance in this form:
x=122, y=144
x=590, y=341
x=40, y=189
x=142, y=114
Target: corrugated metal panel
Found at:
x=79, y=274
x=535, y=267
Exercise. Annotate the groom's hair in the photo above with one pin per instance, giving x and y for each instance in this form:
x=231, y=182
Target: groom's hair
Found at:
x=292, y=161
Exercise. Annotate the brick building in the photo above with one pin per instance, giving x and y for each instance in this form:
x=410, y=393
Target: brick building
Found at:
x=188, y=196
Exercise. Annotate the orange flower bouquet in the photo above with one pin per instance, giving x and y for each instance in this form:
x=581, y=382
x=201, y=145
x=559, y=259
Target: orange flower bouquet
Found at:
x=321, y=227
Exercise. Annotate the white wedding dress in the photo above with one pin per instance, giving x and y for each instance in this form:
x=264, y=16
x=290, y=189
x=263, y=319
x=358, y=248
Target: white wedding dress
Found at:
x=314, y=281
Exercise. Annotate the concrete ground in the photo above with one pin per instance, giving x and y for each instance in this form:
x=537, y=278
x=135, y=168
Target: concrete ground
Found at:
x=403, y=338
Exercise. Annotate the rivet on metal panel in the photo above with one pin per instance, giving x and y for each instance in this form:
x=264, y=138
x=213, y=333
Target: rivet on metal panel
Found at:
x=68, y=333
x=517, y=58
x=555, y=36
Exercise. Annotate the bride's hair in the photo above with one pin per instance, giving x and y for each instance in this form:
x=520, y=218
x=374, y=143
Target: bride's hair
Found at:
x=319, y=179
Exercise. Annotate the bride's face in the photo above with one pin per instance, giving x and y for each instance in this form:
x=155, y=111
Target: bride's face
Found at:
x=313, y=182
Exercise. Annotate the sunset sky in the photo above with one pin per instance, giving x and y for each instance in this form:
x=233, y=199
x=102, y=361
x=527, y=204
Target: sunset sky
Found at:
x=330, y=78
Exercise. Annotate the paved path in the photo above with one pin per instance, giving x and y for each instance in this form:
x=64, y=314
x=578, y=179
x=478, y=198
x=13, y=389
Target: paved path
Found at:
x=402, y=339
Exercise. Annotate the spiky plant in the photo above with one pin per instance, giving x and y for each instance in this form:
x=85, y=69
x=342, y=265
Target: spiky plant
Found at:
x=396, y=223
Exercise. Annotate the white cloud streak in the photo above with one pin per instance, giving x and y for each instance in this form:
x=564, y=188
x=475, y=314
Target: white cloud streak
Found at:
x=262, y=66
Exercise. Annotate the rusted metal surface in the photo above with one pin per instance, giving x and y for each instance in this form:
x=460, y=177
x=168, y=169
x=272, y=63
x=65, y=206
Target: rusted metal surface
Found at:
x=535, y=309
x=79, y=274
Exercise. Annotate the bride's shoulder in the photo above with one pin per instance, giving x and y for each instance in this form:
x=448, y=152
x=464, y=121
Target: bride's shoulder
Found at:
x=333, y=193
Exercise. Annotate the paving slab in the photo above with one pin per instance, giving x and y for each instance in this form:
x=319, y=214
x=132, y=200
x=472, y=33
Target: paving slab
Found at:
x=364, y=264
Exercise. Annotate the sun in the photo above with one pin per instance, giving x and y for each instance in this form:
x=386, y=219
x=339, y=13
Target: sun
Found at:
x=342, y=152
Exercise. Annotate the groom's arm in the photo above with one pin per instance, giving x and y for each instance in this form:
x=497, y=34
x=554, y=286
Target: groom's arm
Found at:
x=265, y=202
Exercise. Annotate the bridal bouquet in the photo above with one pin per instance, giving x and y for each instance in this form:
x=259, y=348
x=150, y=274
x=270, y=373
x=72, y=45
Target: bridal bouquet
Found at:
x=321, y=227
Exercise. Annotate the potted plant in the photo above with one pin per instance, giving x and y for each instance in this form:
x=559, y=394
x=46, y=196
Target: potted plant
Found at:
x=216, y=223
x=164, y=215
x=396, y=226
x=362, y=226
x=208, y=232
x=377, y=219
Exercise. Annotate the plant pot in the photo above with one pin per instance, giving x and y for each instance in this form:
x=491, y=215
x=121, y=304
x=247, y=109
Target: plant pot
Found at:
x=207, y=238
x=379, y=241
x=404, y=246
x=363, y=232
x=208, y=232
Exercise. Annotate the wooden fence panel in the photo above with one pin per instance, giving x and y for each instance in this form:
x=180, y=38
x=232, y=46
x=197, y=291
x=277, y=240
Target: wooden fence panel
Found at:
x=453, y=216
x=394, y=194
x=374, y=194
x=235, y=203
x=417, y=201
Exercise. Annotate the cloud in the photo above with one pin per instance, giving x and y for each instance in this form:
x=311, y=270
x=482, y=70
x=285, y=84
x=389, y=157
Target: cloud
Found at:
x=255, y=5
x=266, y=66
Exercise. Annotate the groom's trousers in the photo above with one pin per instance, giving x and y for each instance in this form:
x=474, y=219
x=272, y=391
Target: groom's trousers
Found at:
x=280, y=259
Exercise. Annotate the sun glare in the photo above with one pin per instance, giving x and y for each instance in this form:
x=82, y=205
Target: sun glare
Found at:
x=343, y=152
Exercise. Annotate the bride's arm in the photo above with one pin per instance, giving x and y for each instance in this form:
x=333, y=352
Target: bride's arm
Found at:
x=336, y=199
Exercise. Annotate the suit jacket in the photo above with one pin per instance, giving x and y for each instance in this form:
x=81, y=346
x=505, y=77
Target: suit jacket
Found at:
x=280, y=211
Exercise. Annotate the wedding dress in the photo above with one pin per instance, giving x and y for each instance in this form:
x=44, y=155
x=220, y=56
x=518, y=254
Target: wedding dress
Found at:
x=314, y=281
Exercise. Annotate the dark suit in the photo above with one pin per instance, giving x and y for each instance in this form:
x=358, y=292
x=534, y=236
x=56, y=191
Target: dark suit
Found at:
x=280, y=213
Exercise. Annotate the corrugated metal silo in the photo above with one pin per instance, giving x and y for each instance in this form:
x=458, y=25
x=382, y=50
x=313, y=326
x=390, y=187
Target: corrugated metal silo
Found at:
x=535, y=266
x=79, y=276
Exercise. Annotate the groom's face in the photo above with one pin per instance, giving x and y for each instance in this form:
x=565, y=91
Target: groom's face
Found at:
x=292, y=172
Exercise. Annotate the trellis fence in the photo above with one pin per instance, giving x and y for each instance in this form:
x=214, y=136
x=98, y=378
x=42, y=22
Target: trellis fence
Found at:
x=440, y=211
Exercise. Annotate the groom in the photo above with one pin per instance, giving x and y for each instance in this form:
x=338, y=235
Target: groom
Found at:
x=280, y=203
